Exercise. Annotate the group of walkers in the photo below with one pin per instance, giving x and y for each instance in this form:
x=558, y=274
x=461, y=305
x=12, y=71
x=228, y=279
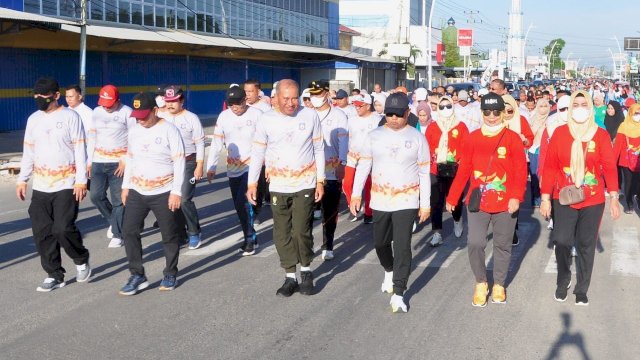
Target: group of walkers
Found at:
x=400, y=159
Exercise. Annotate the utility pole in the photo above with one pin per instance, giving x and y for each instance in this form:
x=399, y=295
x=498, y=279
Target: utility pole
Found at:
x=430, y=45
x=83, y=46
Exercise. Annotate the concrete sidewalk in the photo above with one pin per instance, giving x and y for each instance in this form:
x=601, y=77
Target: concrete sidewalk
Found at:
x=11, y=142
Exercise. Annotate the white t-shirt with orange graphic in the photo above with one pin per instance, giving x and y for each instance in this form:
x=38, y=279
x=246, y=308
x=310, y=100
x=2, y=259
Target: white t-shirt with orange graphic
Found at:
x=107, y=140
x=292, y=149
x=236, y=133
x=358, y=128
x=399, y=165
x=155, y=159
x=54, y=151
x=336, y=142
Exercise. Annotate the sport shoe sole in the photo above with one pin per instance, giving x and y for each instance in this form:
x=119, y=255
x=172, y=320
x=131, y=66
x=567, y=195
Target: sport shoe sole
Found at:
x=115, y=243
x=41, y=289
x=140, y=287
x=87, y=278
x=168, y=288
x=565, y=298
x=249, y=253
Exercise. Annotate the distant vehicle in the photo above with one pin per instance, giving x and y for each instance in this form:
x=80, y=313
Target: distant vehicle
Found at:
x=465, y=86
x=510, y=86
x=520, y=84
x=537, y=82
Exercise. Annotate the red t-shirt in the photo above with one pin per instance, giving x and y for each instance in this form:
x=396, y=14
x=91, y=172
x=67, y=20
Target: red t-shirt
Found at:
x=505, y=179
x=600, y=166
x=627, y=150
x=457, y=136
x=525, y=130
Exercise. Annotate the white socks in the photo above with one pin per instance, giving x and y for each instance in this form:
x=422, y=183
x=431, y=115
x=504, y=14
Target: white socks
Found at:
x=388, y=276
x=305, y=268
x=292, y=276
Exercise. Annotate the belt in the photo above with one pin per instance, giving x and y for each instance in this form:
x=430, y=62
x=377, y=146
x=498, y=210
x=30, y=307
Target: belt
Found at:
x=190, y=157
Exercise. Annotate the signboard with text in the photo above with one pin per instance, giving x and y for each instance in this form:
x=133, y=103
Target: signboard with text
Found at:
x=465, y=37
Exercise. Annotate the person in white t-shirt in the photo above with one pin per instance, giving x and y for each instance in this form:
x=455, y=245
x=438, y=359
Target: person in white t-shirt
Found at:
x=252, y=89
x=55, y=156
x=75, y=100
x=192, y=134
x=152, y=182
x=234, y=130
x=106, y=152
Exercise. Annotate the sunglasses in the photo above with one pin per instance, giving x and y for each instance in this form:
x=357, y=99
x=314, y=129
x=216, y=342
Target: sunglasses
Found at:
x=392, y=114
x=442, y=107
x=489, y=112
x=509, y=112
x=563, y=109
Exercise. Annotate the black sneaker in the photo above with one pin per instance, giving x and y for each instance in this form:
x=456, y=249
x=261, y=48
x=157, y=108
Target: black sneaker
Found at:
x=515, y=241
x=155, y=224
x=368, y=219
x=561, y=293
x=288, y=288
x=249, y=249
x=582, y=300
x=306, y=284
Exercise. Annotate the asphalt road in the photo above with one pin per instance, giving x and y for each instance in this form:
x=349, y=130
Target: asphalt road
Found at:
x=225, y=306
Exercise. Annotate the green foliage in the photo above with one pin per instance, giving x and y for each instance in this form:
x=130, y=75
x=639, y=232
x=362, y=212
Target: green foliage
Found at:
x=555, y=62
x=450, y=41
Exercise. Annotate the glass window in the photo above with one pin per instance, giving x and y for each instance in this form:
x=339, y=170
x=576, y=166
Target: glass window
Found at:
x=191, y=4
x=201, y=22
x=181, y=19
x=97, y=10
x=69, y=8
x=148, y=15
x=208, y=24
x=191, y=21
x=136, y=13
x=160, y=17
x=123, y=12
x=171, y=3
x=49, y=7
x=111, y=10
x=32, y=6
x=160, y=2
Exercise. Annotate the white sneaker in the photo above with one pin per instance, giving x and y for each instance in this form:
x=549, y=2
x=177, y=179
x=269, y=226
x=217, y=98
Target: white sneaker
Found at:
x=353, y=218
x=397, y=304
x=415, y=226
x=317, y=214
x=109, y=233
x=387, y=284
x=550, y=225
x=116, y=243
x=436, y=240
x=574, y=253
x=84, y=272
x=327, y=255
x=457, y=228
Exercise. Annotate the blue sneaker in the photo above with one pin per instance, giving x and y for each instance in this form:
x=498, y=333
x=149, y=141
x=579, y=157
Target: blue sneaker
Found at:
x=134, y=284
x=168, y=283
x=194, y=241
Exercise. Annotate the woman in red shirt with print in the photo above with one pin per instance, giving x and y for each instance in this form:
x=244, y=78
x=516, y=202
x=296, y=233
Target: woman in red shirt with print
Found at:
x=445, y=137
x=494, y=164
x=588, y=164
x=626, y=148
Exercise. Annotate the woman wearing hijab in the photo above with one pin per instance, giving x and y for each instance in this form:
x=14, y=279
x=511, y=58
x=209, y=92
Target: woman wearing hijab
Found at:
x=614, y=118
x=518, y=124
x=445, y=137
x=588, y=165
x=378, y=103
x=493, y=162
x=424, y=116
x=538, y=125
x=626, y=149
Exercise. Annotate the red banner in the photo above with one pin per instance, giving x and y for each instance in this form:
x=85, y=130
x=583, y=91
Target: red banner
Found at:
x=440, y=53
x=465, y=37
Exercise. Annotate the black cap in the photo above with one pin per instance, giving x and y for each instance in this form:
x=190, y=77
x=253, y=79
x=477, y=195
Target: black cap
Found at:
x=45, y=86
x=142, y=104
x=318, y=86
x=397, y=103
x=160, y=89
x=235, y=95
x=492, y=101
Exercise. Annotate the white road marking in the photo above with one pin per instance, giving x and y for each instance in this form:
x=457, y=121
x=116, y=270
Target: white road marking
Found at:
x=625, y=256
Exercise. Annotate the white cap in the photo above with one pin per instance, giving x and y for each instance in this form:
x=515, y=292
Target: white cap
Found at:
x=305, y=93
x=463, y=95
x=421, y=94
x=481, y=92
x=233, y=85
x=362, y=98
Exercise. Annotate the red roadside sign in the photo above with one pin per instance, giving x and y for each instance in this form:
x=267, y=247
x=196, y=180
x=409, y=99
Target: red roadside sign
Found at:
x=465, y=37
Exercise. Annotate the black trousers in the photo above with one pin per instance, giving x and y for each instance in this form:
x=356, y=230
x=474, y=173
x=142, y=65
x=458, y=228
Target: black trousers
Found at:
x=330, y=203
x=396, y=227
x=439, y=190
x=245, y=210
x=263, y=193
x=136, y=210
x=631, y=185
x=53, y=221
x=579, y=228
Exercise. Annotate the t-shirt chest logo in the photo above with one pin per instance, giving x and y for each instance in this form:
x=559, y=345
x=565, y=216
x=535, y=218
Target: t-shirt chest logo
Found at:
x=302, y=126
x=183, y=126
x=59, y=125
x=249, y=123
x=454, y=133
x=591, y=146
x=158, y=140
x=408, y=144
x=502, y=152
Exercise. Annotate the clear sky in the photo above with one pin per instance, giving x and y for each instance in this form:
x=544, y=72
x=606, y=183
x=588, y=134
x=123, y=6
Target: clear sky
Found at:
x=587, y=26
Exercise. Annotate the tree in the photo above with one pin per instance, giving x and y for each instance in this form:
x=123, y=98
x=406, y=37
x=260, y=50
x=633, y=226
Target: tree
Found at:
x=450, y=41
x=555, y=63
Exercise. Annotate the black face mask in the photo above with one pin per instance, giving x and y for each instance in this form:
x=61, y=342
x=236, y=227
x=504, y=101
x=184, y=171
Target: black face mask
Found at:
x=42, y=103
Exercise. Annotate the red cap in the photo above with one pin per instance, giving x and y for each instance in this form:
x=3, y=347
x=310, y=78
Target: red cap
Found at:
x=402, y=89
x=108, y=96
x=628, y=102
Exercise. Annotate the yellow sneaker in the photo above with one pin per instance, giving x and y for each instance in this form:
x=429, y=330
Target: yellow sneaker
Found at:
x=498, y=294
x=480, y=294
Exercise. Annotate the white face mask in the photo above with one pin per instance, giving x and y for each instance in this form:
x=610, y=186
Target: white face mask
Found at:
x=563, y=115
x=580, y=115
x=636, y=117
x=317, y=102
x=494, y=128
x=160, y=101
x=446, y=112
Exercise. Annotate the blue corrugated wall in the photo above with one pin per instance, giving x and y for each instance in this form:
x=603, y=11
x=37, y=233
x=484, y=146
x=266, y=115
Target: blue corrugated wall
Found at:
x=22, y=67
